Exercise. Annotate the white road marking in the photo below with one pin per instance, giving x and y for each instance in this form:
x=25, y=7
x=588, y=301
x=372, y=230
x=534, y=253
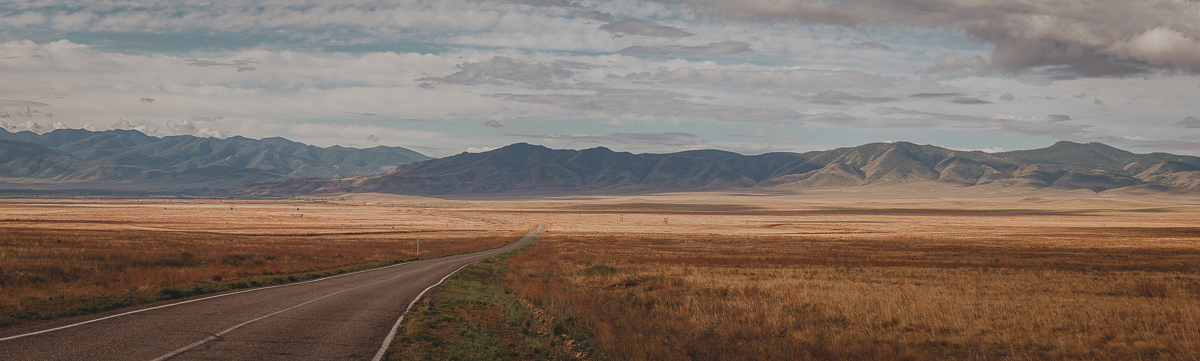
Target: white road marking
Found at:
x=387, y=341
x=190, y=301
x=228, y=330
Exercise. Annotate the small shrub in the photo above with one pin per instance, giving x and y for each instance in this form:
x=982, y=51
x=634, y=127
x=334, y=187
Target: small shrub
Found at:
x=1150, y=288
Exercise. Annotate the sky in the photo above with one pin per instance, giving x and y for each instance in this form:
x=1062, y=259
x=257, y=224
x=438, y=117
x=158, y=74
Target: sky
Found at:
x=751, y=76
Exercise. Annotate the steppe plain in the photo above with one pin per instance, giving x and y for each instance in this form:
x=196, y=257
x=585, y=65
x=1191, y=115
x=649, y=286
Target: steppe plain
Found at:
x=684, y=276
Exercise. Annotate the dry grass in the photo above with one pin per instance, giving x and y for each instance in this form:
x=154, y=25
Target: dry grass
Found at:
x=866, y=282
x=54, y=256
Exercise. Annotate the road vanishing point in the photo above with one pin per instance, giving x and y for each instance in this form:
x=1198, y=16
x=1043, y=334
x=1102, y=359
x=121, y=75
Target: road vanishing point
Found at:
x=352, y=316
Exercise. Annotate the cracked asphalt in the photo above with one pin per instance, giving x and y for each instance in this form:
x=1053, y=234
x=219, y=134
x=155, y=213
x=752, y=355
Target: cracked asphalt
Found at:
x=345, y=317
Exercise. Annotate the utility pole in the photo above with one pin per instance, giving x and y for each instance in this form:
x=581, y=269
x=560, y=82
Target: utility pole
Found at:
x=418, y=248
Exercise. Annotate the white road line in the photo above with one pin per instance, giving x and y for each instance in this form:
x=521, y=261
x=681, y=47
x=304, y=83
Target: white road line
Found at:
x=228, y=330
x=387, y=341
x=195, y=300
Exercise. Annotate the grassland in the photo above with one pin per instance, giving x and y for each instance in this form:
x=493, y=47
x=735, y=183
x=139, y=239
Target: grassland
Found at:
x=1024, y=281
x=474, y=316
x=675, y=277
x=66, y=258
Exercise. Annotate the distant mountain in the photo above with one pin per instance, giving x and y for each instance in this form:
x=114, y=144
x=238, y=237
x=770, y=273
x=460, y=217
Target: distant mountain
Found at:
x=525, y=168
x=129, y=159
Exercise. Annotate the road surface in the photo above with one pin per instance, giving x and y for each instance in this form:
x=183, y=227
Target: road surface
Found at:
x=346, y=317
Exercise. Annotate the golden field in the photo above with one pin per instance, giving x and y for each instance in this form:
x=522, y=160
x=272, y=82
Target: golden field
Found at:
x=711, y=276
x=56, y=254
x=1025, y=280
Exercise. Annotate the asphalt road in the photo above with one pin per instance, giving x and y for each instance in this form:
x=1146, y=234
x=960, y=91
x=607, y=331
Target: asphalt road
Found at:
x=351, y=316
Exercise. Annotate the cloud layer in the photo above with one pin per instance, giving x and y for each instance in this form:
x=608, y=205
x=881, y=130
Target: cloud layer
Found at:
x=1088, y=37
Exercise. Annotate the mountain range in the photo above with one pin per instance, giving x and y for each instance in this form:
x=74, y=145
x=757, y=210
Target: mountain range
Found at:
x=531, y=169
x=131, y=160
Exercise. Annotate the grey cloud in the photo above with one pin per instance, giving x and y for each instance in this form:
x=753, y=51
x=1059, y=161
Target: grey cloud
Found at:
x=1189, y=122
x=240, y=63
x=547, y=3
x=21, y=103
x=934, y=95
x=1007, y=97
x=146, y=100
x=1060, y=130
x=637, y=140
x=721, y=48
x=835, y=97
x=1057, y=118
x=205, y=63
x=1107, y=38
x=644, y=28
x=596, y=15
x=805, y=80
x=493, y=123
x=970, y=101
x=1097, y=101
x=671, y=105
x=505, y=71
x=372, y=138
x=949, y=62
x=246, y=69
x=8, y=39
x=872, y=44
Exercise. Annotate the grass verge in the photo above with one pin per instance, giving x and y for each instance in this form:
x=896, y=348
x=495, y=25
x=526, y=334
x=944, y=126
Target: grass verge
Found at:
x=475, y=315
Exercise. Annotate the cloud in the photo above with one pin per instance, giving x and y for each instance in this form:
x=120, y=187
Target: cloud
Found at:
x=178, y=127
x=970, y=101
x=644, y=28
x=872, y=44
x=934, y=95
x=493, y=123
x=949, y=62
x=21, y=103
x=667, y=105
x=835, y=97
x=1057, y=118
x=1097, y=101
x=503, y=70
x=1109, y=38
x=1007, y=97
x=547, y=3
x=480, y=149
x=1005, y=123
x=146, y=100
x=127, y=125
x=1162, y=47
x=28, y=125
x=246, y=69
x=633, y=140
x=372, y=138
x=721, y=48
x=1189, y=122
x=806, y=80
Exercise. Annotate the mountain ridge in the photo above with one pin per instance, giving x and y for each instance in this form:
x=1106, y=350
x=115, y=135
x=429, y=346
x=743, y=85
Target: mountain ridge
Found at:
x=526, y=168
x=128, y=159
